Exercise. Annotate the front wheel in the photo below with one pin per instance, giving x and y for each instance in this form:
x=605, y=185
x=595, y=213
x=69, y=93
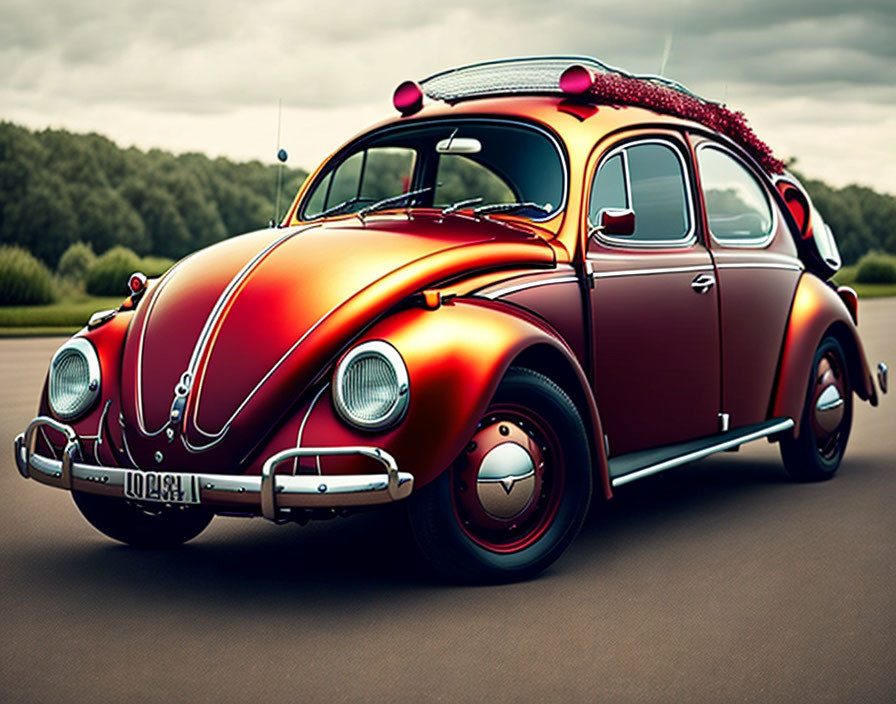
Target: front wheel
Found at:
x=142, y=525
x=815, y=454
x=518, y=493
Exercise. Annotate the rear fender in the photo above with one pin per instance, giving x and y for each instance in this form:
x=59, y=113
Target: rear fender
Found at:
x=817, y=311
x=456, y=356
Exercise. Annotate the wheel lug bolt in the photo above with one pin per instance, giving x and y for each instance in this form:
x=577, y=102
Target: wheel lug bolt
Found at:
x=471, y=447
x=504, y=430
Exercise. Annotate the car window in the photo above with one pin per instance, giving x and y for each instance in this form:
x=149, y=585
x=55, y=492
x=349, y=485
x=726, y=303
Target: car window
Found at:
x=504, y=162
x=737, y=208
x=459, y=177
x=658, y=193
x=364, y=177
x=649, y=178
x=608, y=189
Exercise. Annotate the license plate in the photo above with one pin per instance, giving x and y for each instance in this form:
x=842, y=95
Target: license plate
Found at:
x=164, y=487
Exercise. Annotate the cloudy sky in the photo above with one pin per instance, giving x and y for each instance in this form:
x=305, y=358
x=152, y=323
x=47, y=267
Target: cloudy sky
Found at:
x=816, y=78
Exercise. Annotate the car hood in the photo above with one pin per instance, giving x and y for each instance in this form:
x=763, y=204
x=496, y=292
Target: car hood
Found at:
x=232, y=335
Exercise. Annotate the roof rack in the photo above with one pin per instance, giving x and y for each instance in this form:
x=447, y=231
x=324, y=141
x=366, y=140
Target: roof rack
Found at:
x=583, y=75
x=532, y=74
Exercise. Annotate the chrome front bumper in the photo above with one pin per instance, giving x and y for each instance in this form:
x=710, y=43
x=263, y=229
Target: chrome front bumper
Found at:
x=270, y=493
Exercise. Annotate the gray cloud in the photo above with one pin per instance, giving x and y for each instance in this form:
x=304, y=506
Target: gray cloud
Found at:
x=207, y=57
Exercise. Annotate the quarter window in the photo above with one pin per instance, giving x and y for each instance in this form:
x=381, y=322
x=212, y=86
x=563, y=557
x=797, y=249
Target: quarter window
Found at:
x=736, y=206
x=648, y=178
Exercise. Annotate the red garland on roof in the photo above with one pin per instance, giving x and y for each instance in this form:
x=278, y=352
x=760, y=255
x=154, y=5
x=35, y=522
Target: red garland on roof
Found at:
x=612, y=88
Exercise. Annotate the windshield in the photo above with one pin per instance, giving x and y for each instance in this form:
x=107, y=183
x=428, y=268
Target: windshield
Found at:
x=453, y=164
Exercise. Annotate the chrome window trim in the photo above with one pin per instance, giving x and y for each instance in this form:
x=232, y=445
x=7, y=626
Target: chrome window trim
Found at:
x=688, y=239
x=739, y=244
x=82, y=346
x=394, y=127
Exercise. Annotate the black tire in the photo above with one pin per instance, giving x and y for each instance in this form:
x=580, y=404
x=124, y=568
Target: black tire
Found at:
x=144, y=525
x=451, y=525
x=816, y=453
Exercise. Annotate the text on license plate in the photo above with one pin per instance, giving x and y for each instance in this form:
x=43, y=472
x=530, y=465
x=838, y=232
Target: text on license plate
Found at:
x=167, y=487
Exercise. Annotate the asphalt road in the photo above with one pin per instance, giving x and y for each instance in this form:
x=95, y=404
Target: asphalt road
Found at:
x=716, y=582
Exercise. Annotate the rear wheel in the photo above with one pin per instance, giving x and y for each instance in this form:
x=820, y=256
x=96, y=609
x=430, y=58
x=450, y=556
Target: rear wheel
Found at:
x=815, y=454
x=142, y=525
x=519, y=492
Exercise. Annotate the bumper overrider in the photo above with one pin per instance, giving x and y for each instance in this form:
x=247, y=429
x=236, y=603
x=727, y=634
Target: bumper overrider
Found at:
x=271, y=494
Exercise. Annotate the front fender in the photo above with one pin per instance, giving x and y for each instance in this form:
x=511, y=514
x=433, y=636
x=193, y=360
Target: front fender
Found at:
x=816, y=311
x=456, y=356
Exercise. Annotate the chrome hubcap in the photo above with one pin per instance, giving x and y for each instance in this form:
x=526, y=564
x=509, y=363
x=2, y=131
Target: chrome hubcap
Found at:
x=505, y=482
x=828, y=405
x=500, y=485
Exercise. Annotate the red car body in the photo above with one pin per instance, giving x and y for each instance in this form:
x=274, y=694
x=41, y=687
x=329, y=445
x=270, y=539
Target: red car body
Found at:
x=223, y=370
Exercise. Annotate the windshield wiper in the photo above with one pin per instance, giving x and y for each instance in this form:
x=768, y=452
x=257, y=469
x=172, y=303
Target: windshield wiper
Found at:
x=495, y=208
x=454, y=207
x=392, y=200
x=339, y=207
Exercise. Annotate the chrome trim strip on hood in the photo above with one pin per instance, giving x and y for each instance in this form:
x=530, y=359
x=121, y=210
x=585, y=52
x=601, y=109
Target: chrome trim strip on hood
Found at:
x=186, y=379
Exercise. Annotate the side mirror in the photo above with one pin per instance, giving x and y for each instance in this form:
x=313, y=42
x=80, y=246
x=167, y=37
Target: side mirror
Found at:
x=615, y=222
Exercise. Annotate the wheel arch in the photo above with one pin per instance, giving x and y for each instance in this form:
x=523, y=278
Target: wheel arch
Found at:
x=565, y=371
x=816, y=311
x=456, y=355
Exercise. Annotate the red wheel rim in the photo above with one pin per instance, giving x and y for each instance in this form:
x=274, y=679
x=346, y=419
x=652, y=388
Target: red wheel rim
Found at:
x=508, y=530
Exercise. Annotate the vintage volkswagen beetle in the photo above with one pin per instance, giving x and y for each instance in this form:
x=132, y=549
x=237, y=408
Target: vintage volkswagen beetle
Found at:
x=554, y=275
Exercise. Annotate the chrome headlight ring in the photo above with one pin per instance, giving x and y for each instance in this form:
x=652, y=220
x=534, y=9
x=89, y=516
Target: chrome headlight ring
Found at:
x=74, y=378
x=370, y=387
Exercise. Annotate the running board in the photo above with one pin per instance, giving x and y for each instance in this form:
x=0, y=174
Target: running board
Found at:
x=636, y=465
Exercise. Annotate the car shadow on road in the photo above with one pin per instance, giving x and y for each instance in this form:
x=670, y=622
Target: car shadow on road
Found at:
x=368, y=556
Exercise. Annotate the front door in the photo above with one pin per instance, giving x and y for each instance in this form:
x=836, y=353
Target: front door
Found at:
x=654, y=301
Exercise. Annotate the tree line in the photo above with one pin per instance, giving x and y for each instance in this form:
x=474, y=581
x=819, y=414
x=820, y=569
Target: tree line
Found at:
x=58, y=188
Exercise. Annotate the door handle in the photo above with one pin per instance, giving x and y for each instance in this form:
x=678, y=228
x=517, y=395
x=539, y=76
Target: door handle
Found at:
x=703, y=283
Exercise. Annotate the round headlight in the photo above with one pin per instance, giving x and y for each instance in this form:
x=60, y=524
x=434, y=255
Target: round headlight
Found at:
x=74, y=378
x=371, y=386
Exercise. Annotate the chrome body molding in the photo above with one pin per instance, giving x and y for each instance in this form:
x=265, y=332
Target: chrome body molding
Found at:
x=270, y=493
x=515, y=288
x=784, y=424
x=761, y=265
x=217, y=437
x=647, y=272
x=295, y=462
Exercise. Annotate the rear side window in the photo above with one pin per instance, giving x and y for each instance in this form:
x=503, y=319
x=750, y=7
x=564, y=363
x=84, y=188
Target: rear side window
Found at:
x=737, y=207
x=648, y=178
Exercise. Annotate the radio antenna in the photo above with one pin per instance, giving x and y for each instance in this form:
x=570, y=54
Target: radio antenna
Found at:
x=282, y=156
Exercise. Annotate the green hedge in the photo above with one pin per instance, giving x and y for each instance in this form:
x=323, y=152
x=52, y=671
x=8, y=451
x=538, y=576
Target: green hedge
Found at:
x=876, y=268
x=109, y=274
x=75, y=262
x=155, y=266
x=23, y=279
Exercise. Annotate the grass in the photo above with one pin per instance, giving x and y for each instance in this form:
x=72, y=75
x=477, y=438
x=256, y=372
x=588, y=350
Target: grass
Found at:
x=63, y=318
x=846, y=277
